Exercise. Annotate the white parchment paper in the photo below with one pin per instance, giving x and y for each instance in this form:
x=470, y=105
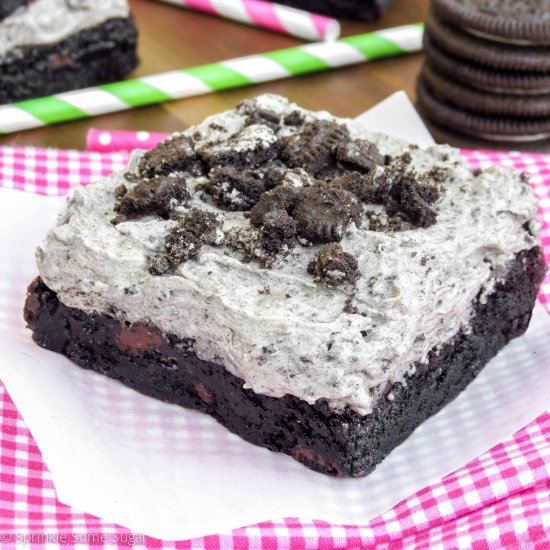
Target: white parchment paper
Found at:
x=175, y=474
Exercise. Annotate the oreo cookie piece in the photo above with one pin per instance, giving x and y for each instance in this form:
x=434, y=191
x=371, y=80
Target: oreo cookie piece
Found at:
x=477, y=50
x=484, y=78
x=313, y=148
x=323, y=212
x=175, y=154
x=485, y=103
x=333, y=266
x=493, y=127
x=526, y=21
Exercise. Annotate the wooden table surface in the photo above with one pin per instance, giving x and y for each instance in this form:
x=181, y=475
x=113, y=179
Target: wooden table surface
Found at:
x=173, y=38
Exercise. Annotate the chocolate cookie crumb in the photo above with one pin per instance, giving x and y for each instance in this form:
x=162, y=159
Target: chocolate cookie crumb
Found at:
x=438, y=174
x=350, y=308
x=282, y=197
x=205, y=226
x=295, y=118
x=150, y=197
x=359, y=154
x=120, y=191
x=245, y=240
x=265, y=117
x=236, y=190
x=312, y=147
x=159, y=265
x=181, y=245
x=323, y=212
x=333, y=266
x=252, y=146
x=176, y=154
x=278, y=233
x=414, y=200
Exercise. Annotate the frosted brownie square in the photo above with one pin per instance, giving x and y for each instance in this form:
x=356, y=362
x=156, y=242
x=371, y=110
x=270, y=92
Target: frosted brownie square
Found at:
x=52, y=46
x=317, y=288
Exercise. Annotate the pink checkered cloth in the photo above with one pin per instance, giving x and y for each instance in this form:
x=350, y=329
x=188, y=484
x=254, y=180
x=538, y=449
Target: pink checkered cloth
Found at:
x=500, y=500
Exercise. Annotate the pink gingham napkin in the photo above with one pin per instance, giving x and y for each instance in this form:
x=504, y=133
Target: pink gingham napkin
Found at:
x=500, y=500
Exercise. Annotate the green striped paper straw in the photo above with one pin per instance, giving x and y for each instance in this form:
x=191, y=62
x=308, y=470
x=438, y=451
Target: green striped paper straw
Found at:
x=233, y=73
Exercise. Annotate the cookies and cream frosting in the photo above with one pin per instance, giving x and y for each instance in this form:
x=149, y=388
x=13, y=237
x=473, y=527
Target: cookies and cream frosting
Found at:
x=280, y=313
x=45, y=22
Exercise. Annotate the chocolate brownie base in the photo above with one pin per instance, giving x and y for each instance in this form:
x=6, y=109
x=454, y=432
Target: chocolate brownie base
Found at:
x=339, y=444
x=368, y=10
x=102, y=54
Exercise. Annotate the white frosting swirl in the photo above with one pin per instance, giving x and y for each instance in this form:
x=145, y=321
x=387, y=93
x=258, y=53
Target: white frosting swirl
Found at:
x=415, y=292
x=46, y=22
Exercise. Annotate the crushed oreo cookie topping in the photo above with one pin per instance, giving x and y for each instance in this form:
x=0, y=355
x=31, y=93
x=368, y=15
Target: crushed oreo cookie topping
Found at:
x=313, y=146
x=278, y=232
x=359, y=154
x=323, y=212
x=333, y=266
x=175, y=154
x=157, y=196
x=181, y=245
x=195, y=228
x=294, y=179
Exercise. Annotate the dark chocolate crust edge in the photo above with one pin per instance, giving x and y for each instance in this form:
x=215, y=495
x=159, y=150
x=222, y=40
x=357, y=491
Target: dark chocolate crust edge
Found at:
x=339, y=444
x=104, y=53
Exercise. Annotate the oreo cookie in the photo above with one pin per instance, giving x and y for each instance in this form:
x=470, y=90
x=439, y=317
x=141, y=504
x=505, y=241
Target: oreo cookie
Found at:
x=487, y=69
x=477, y=101
x=485, y=78
x=522, y=21
x=484, y=52
x=492, y=127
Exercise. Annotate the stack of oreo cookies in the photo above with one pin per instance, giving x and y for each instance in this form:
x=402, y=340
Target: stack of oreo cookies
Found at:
x=487, y=69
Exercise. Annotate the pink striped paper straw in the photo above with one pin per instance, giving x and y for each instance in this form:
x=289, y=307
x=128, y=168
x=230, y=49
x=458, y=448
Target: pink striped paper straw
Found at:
x=106, y=141
x=267, y=15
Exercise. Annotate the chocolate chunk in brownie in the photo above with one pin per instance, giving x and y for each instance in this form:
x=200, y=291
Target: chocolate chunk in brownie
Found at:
x=312, y=147
x=235, y=189
x=333, y=266
x=323, y=212
x=282, y=197
x=278, y=232
x=176, y=154
x=359, y=154
x=150, y=197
